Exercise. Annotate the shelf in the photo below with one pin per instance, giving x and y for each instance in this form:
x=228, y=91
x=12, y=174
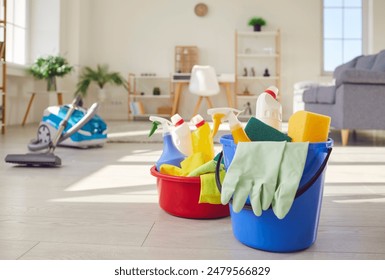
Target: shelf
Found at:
x=151, y=96
x=243, y=118
x=258, y=55
x=257, y=78
x=142, y=106
x=146, y=116
x=152, y=77
x=250, y=96
x=255, y=53
x=257, y=34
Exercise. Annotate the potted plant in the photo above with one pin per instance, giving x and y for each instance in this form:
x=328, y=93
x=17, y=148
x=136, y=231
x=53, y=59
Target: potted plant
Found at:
x=48, y=68
x=257, y=23
x=101, y=76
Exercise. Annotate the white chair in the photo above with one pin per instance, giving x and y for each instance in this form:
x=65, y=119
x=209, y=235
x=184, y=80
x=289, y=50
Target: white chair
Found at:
x=203, y=82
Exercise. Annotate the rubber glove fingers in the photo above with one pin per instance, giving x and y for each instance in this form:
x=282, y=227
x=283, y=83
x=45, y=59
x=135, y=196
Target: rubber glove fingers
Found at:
x=240, y=195
x=228, y=188
x=283, y=199
x=290, y=174
x=267, y=195
x=255, y=199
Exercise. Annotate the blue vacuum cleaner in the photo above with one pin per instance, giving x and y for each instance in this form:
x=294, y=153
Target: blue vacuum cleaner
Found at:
x=84, y=129
x=68, y=125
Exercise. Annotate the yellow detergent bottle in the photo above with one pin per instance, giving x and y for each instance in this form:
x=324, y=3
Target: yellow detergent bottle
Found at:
x=220, y=115
x=202, y=139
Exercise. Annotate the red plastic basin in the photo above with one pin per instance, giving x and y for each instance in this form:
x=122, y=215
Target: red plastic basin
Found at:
x=179, y=196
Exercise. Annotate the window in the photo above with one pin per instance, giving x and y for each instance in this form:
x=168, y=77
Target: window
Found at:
x=342, y=32
x=16, y=31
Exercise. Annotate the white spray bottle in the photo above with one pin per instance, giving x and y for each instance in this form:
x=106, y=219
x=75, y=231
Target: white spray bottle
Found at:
x=268, y=109
x=220, y=115
x=182, y=135
x=170, y=155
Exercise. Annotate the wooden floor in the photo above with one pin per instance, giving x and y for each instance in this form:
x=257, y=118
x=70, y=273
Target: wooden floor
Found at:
x=102, y=204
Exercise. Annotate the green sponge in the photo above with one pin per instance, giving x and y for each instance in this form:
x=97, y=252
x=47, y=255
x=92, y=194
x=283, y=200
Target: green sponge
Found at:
x=257, y=130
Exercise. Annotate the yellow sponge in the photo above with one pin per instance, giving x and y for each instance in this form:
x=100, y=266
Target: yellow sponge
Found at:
x=307, y=126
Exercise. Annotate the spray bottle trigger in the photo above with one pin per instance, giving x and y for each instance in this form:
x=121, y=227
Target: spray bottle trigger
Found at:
x=155, y=125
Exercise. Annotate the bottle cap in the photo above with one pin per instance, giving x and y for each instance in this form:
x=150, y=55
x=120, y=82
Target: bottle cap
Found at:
x=273, y=91
x=198, y=121
x=177, y=120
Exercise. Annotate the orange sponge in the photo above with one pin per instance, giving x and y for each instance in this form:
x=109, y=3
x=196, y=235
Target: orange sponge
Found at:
x=307, y=126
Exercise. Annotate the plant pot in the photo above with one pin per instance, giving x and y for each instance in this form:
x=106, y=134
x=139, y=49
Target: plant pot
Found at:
x=102, y=95
x=51, y=83
x=156, y=91
x=257, y=28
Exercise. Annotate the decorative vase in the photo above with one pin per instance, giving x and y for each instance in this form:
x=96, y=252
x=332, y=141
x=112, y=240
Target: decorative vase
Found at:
x=51, y=83
x=266, y=73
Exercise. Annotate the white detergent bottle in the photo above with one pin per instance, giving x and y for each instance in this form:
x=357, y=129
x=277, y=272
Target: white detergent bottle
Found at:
x=268, y=109
x=181, y=135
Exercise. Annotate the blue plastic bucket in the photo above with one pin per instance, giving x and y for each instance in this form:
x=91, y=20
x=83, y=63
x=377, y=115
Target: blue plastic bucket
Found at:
x=298, y=230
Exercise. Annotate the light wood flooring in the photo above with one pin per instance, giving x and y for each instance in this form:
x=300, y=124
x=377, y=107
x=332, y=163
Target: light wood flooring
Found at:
x=102, y=204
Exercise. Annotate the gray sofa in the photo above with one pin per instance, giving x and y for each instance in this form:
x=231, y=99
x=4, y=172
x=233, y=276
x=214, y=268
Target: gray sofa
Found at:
x=357, y=100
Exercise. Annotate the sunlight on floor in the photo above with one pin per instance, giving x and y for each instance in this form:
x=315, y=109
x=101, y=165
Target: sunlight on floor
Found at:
x=120, y=183
x=353, y=174
x=361, y=200
x=145, y=197
x=115, y=176
x=150, y=158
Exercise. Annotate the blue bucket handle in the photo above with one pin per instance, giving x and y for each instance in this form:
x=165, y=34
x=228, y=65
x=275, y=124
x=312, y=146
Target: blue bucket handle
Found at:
x=300, y=191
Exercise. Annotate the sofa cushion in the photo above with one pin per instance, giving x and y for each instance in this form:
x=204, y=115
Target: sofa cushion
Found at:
x=320, y=94
x=326, y=95
x=310, y=95
x=354, y=76
x=365, y=62
x=348, y=65
x=379, y=64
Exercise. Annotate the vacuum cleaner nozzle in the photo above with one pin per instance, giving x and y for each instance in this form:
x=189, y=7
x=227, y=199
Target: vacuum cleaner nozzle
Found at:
x=34, y=159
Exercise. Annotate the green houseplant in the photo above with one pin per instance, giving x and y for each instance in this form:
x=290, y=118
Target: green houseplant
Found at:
x=48, y=68
x=101, y=76
x=257, y=23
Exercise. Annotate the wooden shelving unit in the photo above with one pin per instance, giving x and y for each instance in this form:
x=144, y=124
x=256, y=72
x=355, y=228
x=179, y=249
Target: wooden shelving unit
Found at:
x=254, y=53
x=3, y=68
x=142, y=102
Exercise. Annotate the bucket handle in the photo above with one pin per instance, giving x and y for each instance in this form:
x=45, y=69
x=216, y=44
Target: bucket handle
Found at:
x=300, y=191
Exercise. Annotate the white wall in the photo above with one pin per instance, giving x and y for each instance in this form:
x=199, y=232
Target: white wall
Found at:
x=140, y=36
x=44, y=22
